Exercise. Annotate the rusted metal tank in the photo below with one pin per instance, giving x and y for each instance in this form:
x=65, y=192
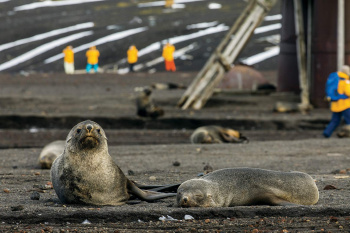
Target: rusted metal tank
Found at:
x=242, y=77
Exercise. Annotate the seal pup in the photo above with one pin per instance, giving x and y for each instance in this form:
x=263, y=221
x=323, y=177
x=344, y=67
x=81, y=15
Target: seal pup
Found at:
x=216, y=134
x=86, y=174
x=146, y=107
x=248, y=186
x=50, y=152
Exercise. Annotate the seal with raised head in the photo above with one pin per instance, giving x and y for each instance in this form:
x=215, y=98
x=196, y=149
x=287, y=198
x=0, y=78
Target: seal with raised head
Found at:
x=86, y=174
x=50, y=152
x=217, y=134
x=146, y=107
x=248, y=186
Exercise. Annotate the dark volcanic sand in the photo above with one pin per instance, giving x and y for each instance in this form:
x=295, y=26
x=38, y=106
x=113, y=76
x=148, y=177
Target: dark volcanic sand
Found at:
x=43, y=107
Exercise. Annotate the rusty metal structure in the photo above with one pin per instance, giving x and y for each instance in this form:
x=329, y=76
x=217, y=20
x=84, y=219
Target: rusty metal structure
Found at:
x=309, y=49
x=202, y=87
x=320, y=24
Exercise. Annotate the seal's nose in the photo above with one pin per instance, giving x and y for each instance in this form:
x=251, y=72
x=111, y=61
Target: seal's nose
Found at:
x=89, y=127
x=185, y=199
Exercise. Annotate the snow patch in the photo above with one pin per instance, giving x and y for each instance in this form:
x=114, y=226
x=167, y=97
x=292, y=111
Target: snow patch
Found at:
x=157, y=45
x=268, y=28
x=274, y=51
x=49, y=3
x=46, y=35
x=202, y=25
x=103, y=40
x=42, y=49
x=273, y=17
x=213, y=6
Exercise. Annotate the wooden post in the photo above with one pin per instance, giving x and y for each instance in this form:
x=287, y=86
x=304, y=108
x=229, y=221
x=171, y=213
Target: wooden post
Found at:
x=341, y=34
x=301, y=52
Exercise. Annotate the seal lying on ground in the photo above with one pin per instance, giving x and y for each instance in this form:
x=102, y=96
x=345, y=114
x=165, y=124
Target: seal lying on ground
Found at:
x=86, y=174
x=216, y=134
x=50, y=152
x=145, y=106
x=247, y=186
x=167, y=86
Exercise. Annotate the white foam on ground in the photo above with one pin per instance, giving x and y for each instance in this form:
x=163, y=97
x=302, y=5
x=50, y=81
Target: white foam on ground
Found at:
x=46, y=35
x=274, y=51
x=202, y=25
x=49, y=3
x=42, y=49
x=103, y=40
x=162, y=3
x=268, y=28
x=273, y=17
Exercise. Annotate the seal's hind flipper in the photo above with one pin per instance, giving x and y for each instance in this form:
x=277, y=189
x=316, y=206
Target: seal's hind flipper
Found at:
x=147, y=195
x=143, y=186
x=166, y=188
x=158, y=188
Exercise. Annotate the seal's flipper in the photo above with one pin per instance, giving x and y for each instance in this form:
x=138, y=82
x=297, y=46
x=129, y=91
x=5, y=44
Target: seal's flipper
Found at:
x=166, y=188
x=158, y=188
x=147, y=195
x=143, y=186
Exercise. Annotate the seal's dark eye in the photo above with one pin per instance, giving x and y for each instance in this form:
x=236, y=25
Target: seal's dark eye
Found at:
x=98, y=131
x=78, y=130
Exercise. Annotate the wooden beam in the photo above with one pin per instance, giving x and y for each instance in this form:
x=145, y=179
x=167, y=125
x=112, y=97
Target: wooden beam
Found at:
x=220, y=61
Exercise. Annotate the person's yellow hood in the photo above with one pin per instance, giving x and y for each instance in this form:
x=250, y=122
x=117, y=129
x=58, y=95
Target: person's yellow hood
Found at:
x=343, y=75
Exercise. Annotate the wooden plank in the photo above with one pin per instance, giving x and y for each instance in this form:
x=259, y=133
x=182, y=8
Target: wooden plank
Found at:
x=299, y=29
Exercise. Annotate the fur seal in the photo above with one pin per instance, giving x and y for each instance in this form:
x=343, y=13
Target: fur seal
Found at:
x=50, y=152
x=145, y=105
x=86, y=174
x=248, y=186
x=216, y=134
x=167, y=86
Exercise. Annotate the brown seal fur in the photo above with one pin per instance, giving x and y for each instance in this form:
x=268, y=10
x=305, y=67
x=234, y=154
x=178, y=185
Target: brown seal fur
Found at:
x=167, y=86
x=50, y=152
x=217, y=134
x=145, y=105
x=248, y=186
x=86, y=174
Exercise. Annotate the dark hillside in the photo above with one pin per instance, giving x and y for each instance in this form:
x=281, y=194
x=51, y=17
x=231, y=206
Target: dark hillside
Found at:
x=110, y=17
